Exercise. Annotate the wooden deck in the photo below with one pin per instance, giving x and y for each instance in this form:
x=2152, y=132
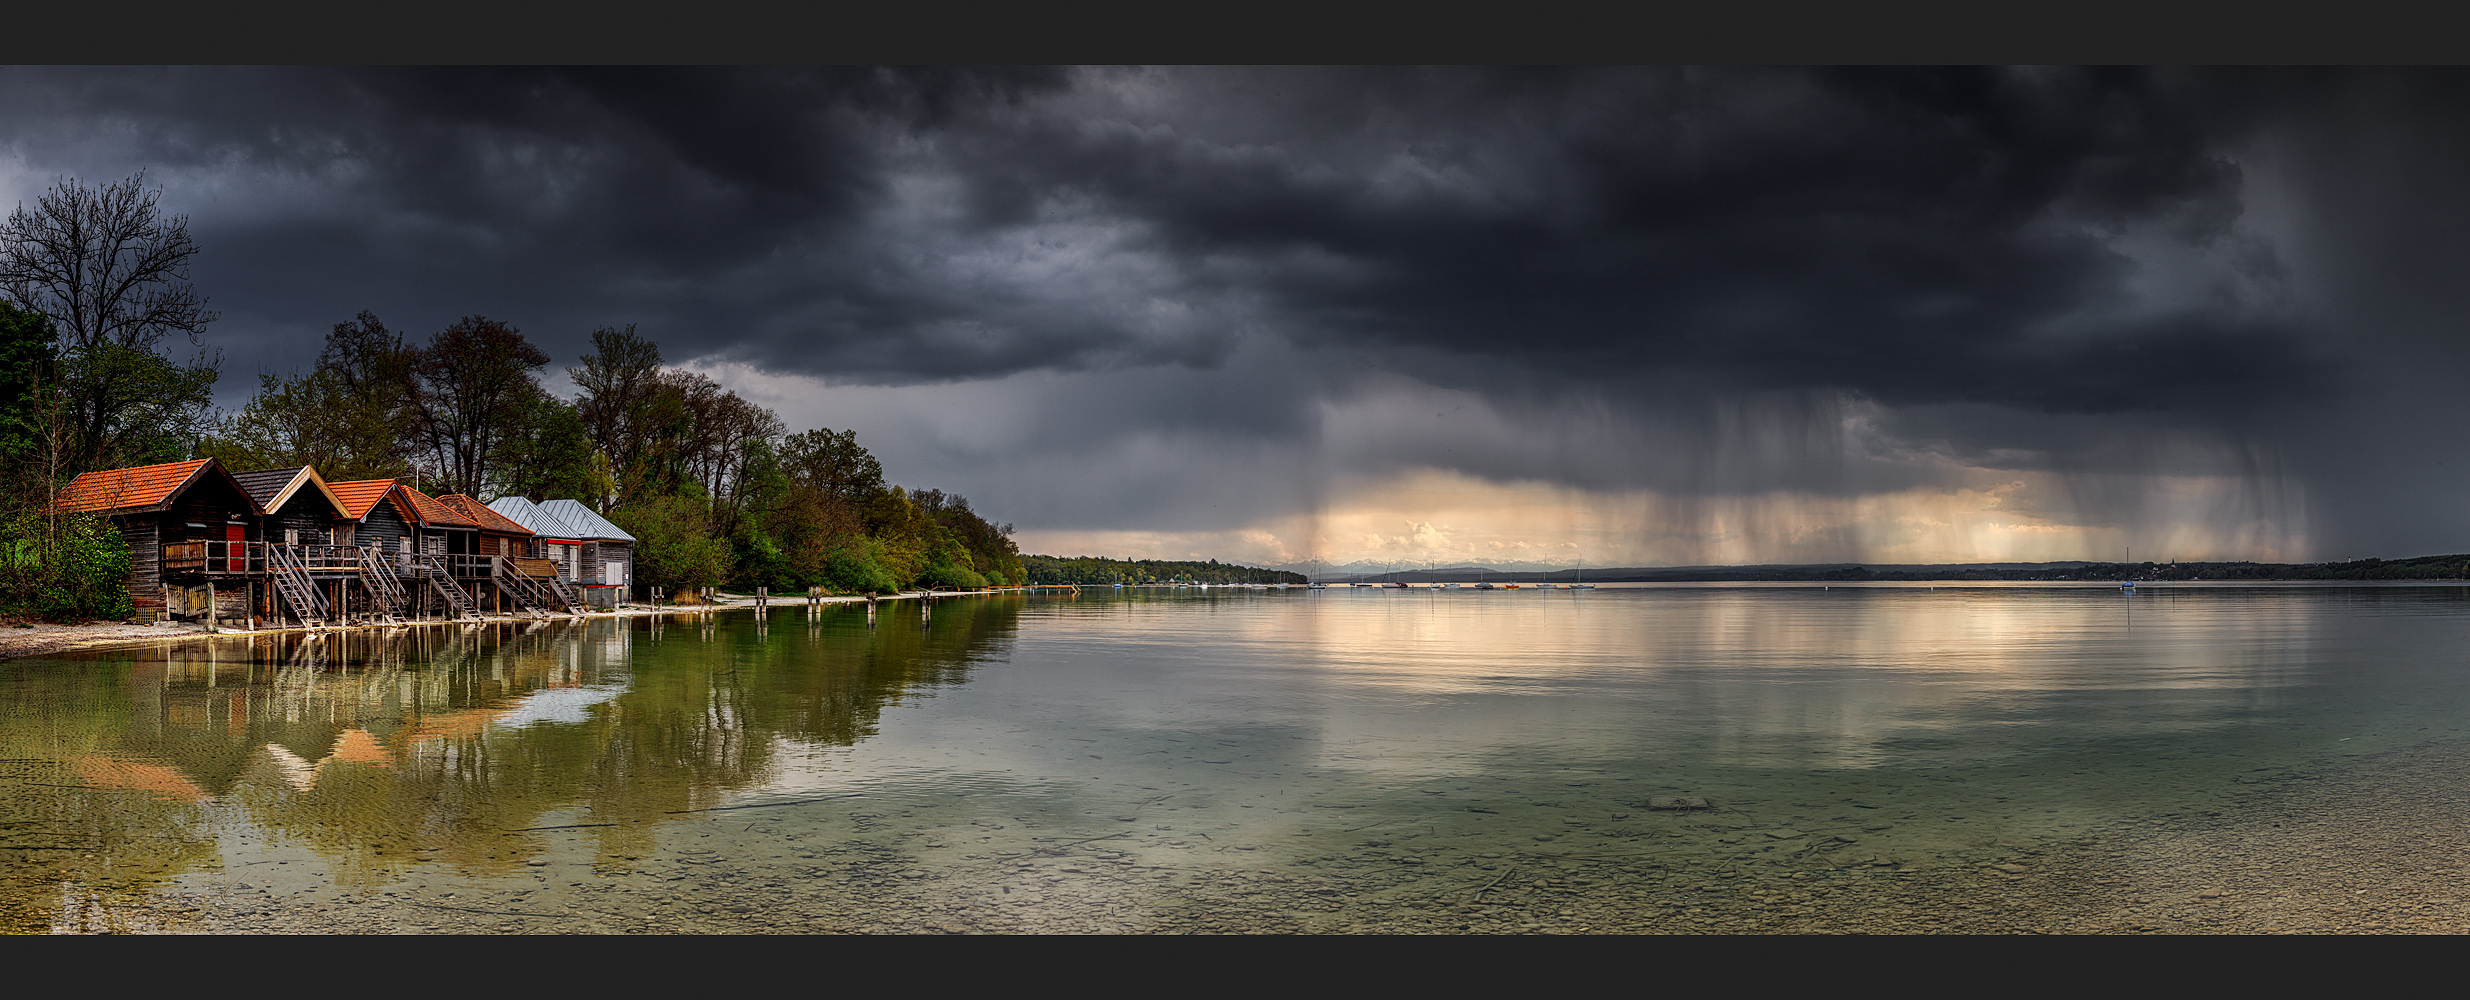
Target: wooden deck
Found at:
x=218, y=559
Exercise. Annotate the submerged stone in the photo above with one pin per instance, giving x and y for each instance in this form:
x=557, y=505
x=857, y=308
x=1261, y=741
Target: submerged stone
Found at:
x=1673, y=802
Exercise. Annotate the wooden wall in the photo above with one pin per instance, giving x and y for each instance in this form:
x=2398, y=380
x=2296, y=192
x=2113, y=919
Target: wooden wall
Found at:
x=382, y=528
x=144, y=533
x=310, y=518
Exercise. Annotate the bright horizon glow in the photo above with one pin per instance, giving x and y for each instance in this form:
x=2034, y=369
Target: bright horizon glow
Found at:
x=1440, y=518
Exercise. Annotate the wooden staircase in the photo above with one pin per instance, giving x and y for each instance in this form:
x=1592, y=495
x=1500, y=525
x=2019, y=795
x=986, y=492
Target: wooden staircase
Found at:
x=379, y=577
x=291, y=579
x=435, y=570
x=565, y=594
x=529, y=595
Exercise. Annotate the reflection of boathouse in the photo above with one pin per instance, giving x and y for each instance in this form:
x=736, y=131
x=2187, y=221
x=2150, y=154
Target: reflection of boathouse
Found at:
x=283, y=543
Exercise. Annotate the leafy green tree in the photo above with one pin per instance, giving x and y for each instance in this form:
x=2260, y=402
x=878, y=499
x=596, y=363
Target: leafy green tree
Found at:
x=834, y=463
x=548, y=454
x=347, y=416
x=621, y=383
x=906, y=539
x=674, y=544
x=133, y=407
x=28, y=373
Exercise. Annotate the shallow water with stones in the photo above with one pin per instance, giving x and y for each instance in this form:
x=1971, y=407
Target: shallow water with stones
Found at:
x=1892, y=758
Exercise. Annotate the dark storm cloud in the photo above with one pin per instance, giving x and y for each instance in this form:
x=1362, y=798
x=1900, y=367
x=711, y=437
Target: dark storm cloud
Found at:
x=1916, y=237
x=1689, y=280
x=1912, y=236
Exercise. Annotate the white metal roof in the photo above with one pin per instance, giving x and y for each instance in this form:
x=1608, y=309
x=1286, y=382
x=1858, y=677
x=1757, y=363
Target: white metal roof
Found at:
x=584, y=523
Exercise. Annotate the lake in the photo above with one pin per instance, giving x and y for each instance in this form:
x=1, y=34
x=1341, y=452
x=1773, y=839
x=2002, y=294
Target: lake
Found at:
x=1687, y=758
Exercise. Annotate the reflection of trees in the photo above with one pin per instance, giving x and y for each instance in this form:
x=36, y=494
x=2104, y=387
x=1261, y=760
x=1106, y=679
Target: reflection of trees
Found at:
x=63, y=733
x=380, y=750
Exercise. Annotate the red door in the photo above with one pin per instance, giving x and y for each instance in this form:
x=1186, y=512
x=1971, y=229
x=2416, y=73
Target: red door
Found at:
x=239, y=547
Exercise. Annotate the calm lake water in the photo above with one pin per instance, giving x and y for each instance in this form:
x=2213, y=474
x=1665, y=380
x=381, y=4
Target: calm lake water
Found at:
x=1227, y=761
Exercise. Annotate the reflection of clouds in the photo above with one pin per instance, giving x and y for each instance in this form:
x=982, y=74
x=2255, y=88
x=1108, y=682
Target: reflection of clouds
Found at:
x=567, y=706
x=1805, y=675
x=275, y=766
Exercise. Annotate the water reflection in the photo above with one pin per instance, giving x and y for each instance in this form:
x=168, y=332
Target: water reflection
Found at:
x=1193, y=734
x=381, y=750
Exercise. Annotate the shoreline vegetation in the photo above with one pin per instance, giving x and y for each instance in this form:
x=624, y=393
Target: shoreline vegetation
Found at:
x=95, y=303
x=1102, y=571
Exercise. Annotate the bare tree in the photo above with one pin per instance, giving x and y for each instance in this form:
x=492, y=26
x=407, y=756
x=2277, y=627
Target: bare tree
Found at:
x=470, y=386
x=111, y=270
x=104, y=263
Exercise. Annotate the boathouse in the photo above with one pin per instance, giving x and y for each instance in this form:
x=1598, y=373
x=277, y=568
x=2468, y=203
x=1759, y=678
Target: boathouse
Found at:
x=497, y=534
x=301, y=509
x=605, y=553
x=441, y=531
x=590, y=552
x=305, y=517
x=187, y=524
x=516, y=575
x=375, y=515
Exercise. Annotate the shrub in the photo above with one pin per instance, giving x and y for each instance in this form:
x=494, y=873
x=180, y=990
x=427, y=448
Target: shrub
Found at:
x=855, y=570
x=74, y=569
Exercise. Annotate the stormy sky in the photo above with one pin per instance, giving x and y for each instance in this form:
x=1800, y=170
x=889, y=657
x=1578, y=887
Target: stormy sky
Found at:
x=1619, y=316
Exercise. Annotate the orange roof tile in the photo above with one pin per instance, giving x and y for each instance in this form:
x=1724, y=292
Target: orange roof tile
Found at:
x=480, y=514
x=359, y=496
x=121, y=489
x=434, y=513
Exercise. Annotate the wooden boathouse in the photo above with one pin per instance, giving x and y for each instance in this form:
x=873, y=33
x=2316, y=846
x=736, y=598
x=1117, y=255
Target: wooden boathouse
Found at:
x=283, y=542
x=596, y=555
x=178, y=518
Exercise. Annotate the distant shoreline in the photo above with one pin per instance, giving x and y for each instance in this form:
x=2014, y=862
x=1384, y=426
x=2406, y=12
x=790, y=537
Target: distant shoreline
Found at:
x=2431, y=569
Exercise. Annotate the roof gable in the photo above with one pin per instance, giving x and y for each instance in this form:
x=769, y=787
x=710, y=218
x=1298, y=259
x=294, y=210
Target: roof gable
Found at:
x=531, y=515
x=488, y=520
x=274, y=488
x=586, y=523
x=142, y=487
x=360, y=496
x=434, y=514
x=518, y=510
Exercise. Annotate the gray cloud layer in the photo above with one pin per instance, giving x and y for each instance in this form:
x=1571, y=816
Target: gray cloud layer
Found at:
x=1677, y=279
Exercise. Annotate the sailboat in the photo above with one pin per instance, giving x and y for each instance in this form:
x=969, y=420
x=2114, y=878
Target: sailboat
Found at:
x=1582, y=583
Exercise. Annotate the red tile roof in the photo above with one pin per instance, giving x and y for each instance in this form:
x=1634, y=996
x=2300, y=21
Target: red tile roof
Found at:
x=435, y=514
x=123, y=489
x=360, y=496
x=480, y=514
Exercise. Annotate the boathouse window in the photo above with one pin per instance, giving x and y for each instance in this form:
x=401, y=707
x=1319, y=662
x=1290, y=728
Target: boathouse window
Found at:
x=291, y=536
